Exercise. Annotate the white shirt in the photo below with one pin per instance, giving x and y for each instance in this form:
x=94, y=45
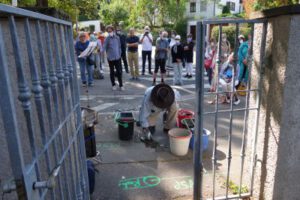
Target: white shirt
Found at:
x=172, y=43
x=147, y=44
x=149, y=108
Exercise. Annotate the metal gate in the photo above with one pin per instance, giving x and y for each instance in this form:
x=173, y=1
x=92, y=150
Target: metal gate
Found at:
x=250, y=103
x=41, y=115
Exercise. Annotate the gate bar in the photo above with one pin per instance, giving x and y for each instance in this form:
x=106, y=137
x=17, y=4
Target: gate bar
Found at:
x=229, y=154
x=8, y=112
x=217, y=68
x=198, y=166
x=246, y=114
x=258, y=100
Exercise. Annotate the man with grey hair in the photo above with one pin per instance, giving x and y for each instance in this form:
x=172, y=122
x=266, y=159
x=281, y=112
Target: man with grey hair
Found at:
x=161, y=56
x=112, y=46
x=133, y=55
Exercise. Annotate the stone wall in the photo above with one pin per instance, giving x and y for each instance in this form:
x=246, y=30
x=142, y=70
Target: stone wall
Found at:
x=277, y=171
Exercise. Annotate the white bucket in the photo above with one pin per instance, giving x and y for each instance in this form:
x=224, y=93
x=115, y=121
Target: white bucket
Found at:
x=179, y=141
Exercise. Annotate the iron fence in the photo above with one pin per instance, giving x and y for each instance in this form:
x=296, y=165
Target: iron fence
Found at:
x=251, y=89
x=40, y=109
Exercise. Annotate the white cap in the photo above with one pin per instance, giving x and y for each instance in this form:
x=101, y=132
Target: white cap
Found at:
x=241, y=36
x=177, y=37
x=147, y=28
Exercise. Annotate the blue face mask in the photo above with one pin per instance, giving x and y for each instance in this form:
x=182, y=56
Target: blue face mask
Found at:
x=190, y=39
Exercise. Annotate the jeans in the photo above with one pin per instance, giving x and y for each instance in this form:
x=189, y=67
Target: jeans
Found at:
x=144, y=55
x=90, y=70
x=177, y=80
x=112, y=65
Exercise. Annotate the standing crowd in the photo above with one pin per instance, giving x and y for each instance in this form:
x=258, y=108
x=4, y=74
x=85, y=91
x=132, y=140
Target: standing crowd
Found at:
x=227, y=69
x=121, y=50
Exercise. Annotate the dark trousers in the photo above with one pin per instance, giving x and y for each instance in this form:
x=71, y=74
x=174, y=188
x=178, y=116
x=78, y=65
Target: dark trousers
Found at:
x=115, y=64
x=209, y=74
x=144, y=55
x=124, y=58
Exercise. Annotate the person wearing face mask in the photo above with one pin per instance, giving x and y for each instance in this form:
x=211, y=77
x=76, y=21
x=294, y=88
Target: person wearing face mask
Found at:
x=225, y=47
x=172, y=42
x=122, y=37
x=161, y=55
x=242, y=60
x=189, y=54
x=112, y=46
x=146, y=41
x=177, y=58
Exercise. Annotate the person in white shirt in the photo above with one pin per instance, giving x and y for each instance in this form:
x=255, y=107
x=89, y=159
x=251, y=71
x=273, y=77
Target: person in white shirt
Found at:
x=146, y=41
x=161, y=98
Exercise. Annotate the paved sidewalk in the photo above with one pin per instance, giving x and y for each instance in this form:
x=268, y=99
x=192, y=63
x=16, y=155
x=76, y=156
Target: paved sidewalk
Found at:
x=132, y=171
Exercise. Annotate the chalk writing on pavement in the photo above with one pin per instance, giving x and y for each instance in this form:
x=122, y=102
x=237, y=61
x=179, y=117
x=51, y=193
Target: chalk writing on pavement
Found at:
x=179, y=183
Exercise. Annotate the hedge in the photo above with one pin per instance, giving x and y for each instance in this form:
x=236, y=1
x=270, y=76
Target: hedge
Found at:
x=230, y=32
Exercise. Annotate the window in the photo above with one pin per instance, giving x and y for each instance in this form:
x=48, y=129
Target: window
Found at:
x=231, y=5
x=203, y=6
x=192, y=7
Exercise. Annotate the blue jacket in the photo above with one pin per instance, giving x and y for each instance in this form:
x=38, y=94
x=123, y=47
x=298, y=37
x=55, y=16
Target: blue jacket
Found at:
x=79, y=48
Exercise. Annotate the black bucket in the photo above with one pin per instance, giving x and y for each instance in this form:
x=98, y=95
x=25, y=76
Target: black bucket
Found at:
x=126, y=125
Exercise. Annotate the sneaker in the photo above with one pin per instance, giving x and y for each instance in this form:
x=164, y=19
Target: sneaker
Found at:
x=132, y=79
x=83, y=84
x=122, y=88
x=91, y=84
x=150, y=73
x=137, y=78
x=190, y=76
x=237, y=102
x=114, y=87
x=153, y=83
x=186, y=76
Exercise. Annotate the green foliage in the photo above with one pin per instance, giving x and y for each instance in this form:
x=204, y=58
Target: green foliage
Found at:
x=114, y=12
x=180, y=28
x=230, y=32
x=225, y=9
x=229, y=15
x=86, y=8
x=266, y=4
x=235, y=188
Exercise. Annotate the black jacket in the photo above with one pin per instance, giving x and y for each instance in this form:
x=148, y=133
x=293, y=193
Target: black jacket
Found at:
x=177, y=52
x=189, y=54
x=123, y=42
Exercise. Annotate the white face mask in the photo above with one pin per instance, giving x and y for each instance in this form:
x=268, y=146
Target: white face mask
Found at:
x=241, y=41
x=111, y=34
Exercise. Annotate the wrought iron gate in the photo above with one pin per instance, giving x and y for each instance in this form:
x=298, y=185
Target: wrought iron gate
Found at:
x=41, y=115
x=253, y=91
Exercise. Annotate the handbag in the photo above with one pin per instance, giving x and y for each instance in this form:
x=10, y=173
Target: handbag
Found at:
x=241, y=90
x=90, y=60
x=207, y=63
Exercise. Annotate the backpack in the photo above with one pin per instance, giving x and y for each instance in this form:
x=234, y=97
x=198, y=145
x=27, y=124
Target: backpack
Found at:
x=91, y=175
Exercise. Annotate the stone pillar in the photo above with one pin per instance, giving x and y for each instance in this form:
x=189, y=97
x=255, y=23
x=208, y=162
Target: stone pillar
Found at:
x=277, y=174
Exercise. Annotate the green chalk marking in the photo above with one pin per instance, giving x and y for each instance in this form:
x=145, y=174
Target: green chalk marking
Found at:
x=108, y=145
x=180, y=183
x=139, y=182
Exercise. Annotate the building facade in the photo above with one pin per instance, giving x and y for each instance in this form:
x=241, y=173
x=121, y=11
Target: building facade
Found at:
x=205, y=9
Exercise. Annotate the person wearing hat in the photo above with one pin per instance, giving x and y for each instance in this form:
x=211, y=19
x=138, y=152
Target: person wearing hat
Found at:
x=146, y=41
x=157, y=99
x=177, y=59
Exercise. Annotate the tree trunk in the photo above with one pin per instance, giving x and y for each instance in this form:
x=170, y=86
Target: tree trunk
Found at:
x=42, y=3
